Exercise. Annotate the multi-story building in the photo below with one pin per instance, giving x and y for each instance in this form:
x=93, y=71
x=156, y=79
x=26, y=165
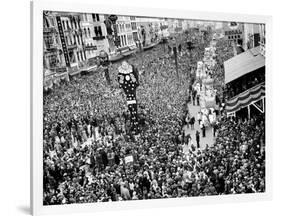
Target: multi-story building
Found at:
x=53, y=58
x=149, y=30
x=72, y=41
x=94, y=34
x=254, y=35
x=125, y=32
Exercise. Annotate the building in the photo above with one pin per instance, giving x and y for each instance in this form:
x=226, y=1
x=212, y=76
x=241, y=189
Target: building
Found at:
x=53, y=58
x=71, y=35
x=254, y=35
x=125, y=33
x=233, y=32
x=149, y=30
x=94, y=35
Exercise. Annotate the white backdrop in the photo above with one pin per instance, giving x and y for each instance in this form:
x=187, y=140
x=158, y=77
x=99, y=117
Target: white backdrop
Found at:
x=14, y=121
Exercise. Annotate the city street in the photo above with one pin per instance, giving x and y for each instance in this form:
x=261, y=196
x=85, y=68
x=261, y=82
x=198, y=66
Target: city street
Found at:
x=118, y=131
x=208, y=139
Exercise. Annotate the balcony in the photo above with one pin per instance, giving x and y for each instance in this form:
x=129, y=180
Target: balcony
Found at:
x=52, y=47
x=99, y=38
x=88, y=47
x=61, y=70
x=49, y=30
x=71, y=46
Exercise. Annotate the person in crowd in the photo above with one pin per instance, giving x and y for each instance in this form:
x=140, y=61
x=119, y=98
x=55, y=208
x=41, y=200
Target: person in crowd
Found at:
x=198, y=139
x=194, y=96
x=203, y=130
x=191, y=122
x=198, y=99
x=86, y=138
x=199, y=117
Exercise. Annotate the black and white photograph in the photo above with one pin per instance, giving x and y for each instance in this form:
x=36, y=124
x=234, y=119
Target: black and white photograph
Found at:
x=142, y=108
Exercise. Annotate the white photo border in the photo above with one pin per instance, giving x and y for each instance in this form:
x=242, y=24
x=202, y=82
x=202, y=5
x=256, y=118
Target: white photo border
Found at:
x=36, y=61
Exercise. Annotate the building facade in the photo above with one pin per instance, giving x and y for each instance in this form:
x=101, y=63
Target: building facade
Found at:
x=71, y=35
x=53, y=58
x=126, y=28
x=254, y=35
x=94, y=34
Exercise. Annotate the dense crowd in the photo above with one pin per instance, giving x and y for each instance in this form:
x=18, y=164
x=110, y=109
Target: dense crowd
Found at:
x=90, y=156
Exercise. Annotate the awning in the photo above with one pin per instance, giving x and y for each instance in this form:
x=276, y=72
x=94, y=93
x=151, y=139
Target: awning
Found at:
x=243, y=63
x=245, y=98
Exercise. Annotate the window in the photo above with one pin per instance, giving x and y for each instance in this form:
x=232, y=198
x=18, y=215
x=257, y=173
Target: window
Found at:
x=67, y=23
x=53, y=61
x=96, y=31
x=96, y=17
x=100, y=30
x=119, y=38
x=89, y=32
x=125, y=40
x=52, y=21
x=135, y=36
x=74, y=39
x=134, y=26
x=122, y=42
x=78, y=57
x=48, y=40
x=46, y=22
x=79, y=39
x=63, y=24
x=256, y=39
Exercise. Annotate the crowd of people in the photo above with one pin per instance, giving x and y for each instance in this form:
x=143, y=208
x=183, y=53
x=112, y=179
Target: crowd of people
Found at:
x=90, y=156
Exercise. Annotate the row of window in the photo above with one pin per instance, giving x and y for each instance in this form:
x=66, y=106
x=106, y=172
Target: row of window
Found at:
x=97, y=30
x=89, y=53
x=125, y=27
x=125, y=41
x=70, y=24
x=50, y=40
x=51, y=61
x=81, y=56
x=49, y=22
x=73, y=39
x=234, y=37
x=95, y=17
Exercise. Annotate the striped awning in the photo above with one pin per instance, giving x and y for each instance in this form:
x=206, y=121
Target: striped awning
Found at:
x=245, y=98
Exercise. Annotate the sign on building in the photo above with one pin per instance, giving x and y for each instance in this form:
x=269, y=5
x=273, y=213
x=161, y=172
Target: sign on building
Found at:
x=63, y=42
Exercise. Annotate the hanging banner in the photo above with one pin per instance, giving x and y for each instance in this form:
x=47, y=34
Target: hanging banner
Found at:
x=63, y=42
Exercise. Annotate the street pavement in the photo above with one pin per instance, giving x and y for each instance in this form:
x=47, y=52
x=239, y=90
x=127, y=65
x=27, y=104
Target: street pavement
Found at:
x=208, y=139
